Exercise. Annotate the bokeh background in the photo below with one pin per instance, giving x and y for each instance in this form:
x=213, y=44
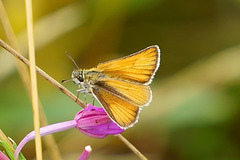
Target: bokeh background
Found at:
x=196, y=92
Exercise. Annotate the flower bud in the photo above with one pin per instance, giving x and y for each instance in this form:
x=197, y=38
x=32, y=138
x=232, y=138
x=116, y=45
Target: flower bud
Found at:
x=94, y=122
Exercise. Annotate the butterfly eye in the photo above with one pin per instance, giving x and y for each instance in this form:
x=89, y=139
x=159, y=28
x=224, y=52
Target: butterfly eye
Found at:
x=80, y=78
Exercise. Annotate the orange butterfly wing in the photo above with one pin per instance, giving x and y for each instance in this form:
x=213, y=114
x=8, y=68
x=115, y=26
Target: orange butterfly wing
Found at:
x=139, y=67
x=122, y=100
x=123, y=88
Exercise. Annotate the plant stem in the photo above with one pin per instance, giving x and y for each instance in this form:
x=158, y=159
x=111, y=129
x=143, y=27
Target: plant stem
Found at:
x=134, y=149
x=33, y=76
x=50, y=129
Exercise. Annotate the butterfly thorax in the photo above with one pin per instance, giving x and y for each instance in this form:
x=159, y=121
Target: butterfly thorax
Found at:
x=86, y=78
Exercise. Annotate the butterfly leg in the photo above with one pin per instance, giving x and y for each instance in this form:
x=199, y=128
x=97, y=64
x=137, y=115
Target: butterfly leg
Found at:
x=85, y=98
x=82, y=114
x=85, y=92
x=77, y=96
x=108, y=122
x=93, y=100
x=78, y=91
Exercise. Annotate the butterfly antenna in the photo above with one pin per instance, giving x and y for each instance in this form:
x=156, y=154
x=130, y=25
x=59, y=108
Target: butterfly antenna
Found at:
x=69, y=56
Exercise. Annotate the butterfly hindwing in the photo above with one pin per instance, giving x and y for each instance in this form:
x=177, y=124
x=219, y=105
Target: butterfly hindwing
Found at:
x=137, y=94
x=121, y=100
x=120, y=111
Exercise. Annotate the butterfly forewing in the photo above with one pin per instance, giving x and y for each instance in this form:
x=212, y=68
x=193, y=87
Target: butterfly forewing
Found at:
x=138, y=67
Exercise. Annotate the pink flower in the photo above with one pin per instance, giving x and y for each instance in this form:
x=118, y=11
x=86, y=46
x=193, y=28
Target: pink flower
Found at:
x=94, y=122
x=91, y=121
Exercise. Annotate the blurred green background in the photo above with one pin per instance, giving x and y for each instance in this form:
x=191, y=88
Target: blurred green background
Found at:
x=196, y=92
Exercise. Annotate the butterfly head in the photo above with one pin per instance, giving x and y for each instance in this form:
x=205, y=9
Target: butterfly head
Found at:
x=78, y=76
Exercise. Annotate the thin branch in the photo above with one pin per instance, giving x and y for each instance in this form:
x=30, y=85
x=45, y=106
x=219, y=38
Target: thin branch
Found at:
x=137, y=152
x=43, y=74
